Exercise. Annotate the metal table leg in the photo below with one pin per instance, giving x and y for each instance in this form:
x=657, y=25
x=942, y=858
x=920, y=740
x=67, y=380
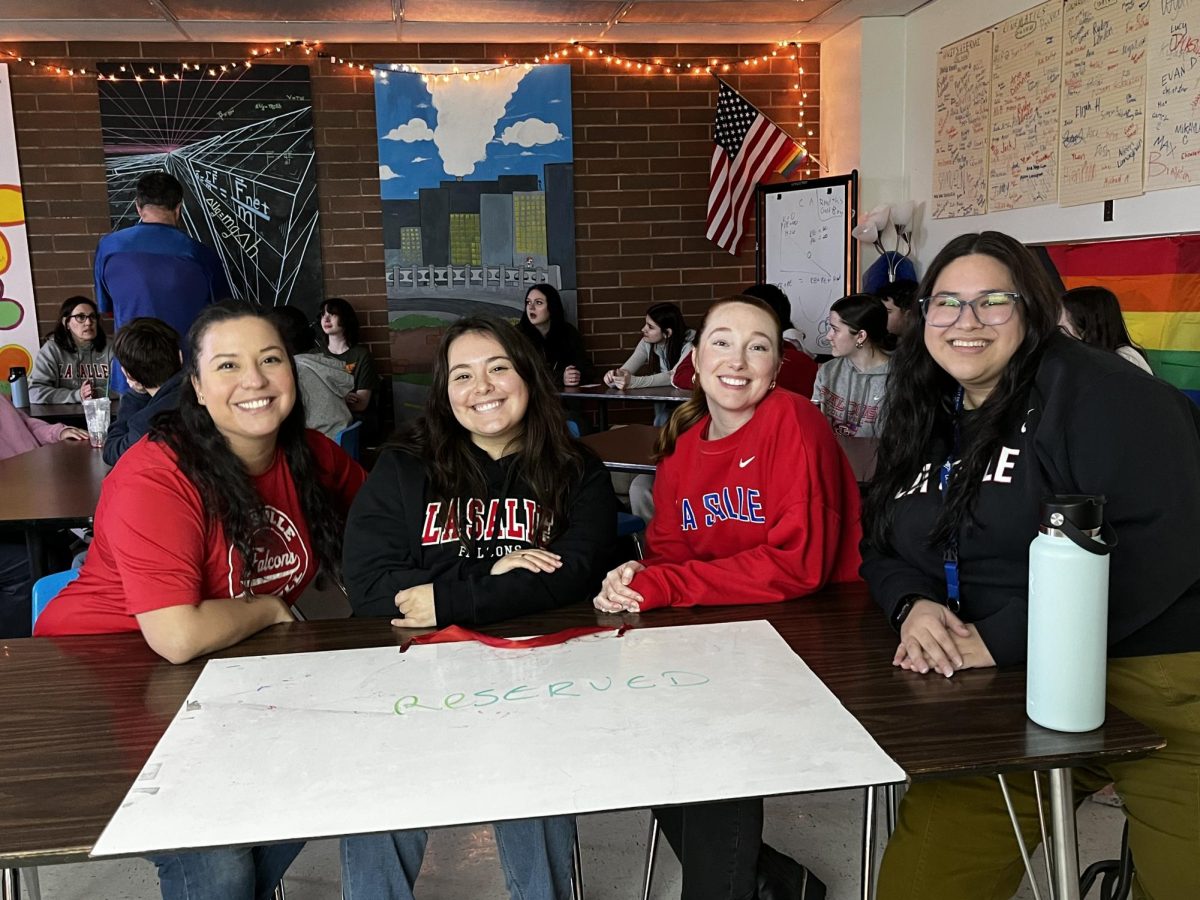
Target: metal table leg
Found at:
x=36, y=550
x=10, y=884
x=1063, y=837
x=868, y=844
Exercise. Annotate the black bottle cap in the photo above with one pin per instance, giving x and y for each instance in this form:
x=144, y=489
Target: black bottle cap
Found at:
x=1084, y=511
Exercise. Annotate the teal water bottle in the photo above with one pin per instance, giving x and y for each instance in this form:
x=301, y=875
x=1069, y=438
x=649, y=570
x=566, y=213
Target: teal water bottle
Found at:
x=1068, y=614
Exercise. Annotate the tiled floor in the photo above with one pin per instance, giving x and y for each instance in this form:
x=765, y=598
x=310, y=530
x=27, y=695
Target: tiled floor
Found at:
x=821, y=830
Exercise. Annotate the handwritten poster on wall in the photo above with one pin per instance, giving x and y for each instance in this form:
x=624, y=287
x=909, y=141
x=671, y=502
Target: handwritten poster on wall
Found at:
x=1102, y=134
x=1173, y=95
x=1026, y=77
x=960, y=141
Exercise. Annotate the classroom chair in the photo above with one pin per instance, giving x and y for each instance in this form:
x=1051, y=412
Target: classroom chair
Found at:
x=348, y=439
x=628, y=525
x=46, y=589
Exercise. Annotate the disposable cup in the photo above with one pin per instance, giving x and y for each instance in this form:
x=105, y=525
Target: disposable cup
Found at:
x=97, y=411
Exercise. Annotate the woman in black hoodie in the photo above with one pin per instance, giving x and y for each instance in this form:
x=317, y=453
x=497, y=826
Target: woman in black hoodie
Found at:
x=486, y=510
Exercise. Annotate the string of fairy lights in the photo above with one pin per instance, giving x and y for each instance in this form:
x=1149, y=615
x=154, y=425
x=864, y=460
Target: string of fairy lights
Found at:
x=700, y=66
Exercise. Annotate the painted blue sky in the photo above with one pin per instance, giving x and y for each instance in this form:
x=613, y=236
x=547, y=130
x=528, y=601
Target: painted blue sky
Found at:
x=532, y=129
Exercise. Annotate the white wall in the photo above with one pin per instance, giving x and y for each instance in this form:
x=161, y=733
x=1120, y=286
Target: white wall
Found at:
x=841, y=100
x=862, y=111
x=941, y=23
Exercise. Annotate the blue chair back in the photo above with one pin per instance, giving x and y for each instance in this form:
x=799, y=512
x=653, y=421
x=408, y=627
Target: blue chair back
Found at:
x=46, y=589
x=573, y=427
x=348, y=439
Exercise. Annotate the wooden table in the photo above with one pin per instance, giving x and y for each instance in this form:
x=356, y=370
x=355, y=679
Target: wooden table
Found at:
x=81, y=715
x=628, y=448
x=606, y=395
x=67, y=413
x=50, y=487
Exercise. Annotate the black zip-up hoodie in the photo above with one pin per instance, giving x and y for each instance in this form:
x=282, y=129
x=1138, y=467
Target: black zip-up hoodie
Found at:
x=398, y=536
x=1094, y=424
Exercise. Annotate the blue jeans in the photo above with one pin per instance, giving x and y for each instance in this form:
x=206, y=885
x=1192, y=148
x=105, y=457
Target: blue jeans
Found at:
x=227, y=873
x=534, y=853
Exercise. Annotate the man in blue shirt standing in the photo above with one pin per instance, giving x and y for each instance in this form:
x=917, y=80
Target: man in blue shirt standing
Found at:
x=155, y=269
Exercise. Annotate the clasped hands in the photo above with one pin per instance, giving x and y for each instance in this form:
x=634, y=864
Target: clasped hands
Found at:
x=932, y=637
x=617, y=378
x=416, y=603
x=615, y=593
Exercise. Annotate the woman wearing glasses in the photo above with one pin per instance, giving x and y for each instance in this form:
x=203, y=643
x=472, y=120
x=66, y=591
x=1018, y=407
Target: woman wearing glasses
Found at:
x=73, y=365
x=988, y=391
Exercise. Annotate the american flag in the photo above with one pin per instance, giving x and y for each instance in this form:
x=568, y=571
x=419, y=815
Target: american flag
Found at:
x=748, y=146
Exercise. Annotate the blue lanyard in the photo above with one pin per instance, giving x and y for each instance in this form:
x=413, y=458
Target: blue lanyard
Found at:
x=950, y=554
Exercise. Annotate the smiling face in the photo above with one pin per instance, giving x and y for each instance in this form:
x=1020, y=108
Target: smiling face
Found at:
x=245, y=382
x=842, y=337
x=83, y=332
x=652, y=334
x=736, y=360
x=486, y=394
x=975, y=355
x=537, y=308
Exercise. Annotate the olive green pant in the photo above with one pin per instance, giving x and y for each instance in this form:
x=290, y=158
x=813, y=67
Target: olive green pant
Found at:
x=954, y=839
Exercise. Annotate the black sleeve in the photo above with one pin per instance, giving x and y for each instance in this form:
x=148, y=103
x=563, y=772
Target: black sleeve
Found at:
x=577, y=354
x=1136, y=440
x=891, y=579
x=381, y=548
x=586, y=546
x=132, y=421
x=364, y=372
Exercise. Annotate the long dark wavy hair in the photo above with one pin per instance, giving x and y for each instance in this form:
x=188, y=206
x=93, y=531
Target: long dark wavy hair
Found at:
x=695, y=408
x=62, y=334
x=921, y=394
x=546, y=457
x=225, y=487
x=669, y=316
x=1095, y=314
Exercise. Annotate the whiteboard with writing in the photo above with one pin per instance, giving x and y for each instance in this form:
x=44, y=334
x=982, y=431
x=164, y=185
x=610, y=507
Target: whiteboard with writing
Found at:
x=315, y=745
x=805, y=248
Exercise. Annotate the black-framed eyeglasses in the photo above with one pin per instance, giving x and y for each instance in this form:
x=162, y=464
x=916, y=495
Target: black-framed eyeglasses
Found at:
x=990, y=308
x=83, y=318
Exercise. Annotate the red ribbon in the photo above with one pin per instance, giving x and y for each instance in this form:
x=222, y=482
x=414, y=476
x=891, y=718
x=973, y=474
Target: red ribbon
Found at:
x=456, y=633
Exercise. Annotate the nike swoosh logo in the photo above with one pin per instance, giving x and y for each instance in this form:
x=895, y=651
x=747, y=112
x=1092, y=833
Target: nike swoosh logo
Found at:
x=745, y=462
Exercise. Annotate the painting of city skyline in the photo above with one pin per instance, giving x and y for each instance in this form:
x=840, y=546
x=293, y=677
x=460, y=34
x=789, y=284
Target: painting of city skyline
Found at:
x=476, y=174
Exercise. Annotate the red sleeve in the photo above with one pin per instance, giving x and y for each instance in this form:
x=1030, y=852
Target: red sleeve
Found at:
x=155, y=526
x=684, y=372
x=339, y=474
x=812, y=540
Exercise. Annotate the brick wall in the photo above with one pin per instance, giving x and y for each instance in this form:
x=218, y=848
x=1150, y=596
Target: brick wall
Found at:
x=642, y=149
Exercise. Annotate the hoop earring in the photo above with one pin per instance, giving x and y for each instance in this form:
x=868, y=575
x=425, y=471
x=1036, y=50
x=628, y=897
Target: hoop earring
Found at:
x=771, y=386
x=693, y=379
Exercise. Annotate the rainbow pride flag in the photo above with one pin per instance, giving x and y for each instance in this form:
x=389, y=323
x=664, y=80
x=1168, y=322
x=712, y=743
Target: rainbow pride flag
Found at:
x=1157, y=281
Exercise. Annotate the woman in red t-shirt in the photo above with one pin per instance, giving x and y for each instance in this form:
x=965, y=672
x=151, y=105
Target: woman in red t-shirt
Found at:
x=208, y=529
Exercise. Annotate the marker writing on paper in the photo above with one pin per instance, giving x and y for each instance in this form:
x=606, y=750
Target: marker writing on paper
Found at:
x=456, y=700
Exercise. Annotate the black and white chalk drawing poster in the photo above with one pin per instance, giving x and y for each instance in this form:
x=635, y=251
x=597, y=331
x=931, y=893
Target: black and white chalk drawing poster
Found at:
x=240, y=140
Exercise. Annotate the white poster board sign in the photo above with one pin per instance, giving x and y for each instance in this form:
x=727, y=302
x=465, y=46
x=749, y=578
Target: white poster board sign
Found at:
x=323, y=744
x=18, y=311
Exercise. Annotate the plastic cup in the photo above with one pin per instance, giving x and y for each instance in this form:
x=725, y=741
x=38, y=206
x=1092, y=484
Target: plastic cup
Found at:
x=97, y=412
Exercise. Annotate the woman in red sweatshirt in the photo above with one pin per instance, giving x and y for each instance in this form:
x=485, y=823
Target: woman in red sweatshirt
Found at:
x=754, y=503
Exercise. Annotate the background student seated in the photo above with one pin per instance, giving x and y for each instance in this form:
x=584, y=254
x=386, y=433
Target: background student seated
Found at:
x=148, y=352
x=74, y=364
